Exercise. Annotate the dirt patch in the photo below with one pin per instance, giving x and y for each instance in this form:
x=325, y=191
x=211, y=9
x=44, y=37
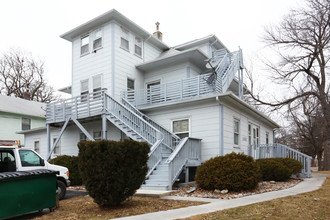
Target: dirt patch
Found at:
x=265, y=186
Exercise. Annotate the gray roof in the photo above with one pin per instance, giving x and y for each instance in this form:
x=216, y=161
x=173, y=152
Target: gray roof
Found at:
x=22, y=106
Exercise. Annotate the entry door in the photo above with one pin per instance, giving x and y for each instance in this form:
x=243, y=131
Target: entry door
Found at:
x=253, y=134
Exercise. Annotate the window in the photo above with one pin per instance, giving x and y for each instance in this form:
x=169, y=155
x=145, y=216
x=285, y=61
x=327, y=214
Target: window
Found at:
x=36, y=146
x=57, y=149
x=124, y=43
x=130, y=84
x=26, y=124
x=82, y=137
x=97, y=82
x=97, y=43
x=84, y=90
x=257, y=132
x=29, y=158
x=267, y=138
x=250, y=134
x=84, y=45
x=236, y=132
x=97, y=135
x=138, y=46
x=181, y=128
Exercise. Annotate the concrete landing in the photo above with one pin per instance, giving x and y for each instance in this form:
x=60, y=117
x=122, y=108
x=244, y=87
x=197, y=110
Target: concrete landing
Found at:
x=152, y=193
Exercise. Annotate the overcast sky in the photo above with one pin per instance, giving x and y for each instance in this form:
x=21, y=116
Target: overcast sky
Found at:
x=35, y=25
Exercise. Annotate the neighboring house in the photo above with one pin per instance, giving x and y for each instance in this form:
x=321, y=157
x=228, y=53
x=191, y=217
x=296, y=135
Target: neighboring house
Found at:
x=18, y=114
x=185, y=101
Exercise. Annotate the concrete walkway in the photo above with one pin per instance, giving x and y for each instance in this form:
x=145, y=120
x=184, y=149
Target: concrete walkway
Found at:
x=310, y=184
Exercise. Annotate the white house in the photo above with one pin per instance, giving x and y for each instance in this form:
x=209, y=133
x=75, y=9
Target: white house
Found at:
x=185, y=101
x=18, y=114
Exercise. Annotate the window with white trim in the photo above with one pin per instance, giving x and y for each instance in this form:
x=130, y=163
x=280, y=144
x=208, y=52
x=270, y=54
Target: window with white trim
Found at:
x=82, y=137
x=124, y=42
x=84, y=89
x=26, y=124
x=250, y=134
x=267, y=138
x=97, y=135
x=84, y=48
x=130, y=84
x=37, y=146
x=138, y=46
x=181, y=127
x=97, y=86
x=236, y=132
x=57, y=149
x=97, y=42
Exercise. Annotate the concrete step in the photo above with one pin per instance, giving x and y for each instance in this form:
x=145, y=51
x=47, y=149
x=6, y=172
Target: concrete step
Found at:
x=160, y=172
x=156, y=182
x=154, y=187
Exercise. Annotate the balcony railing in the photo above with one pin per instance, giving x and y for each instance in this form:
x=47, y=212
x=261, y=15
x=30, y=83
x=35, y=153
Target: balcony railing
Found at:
x=193, y=87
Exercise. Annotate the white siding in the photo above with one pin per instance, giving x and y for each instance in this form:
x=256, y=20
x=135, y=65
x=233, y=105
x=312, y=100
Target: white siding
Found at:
x=204, y=123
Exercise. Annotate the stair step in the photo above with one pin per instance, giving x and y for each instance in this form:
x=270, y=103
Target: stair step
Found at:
x=158, y=177
x=154, y=187
x=156, y=182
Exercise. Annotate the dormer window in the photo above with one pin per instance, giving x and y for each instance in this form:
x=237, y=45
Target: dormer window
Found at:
x=84, y=45
x=138, y=46
x=124, y=43
x=97, y=43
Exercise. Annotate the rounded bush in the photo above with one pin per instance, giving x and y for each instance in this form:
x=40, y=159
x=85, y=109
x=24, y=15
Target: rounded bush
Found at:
x=294, y=165
x=71, y=162
x=233, y=171
x=112, y=171
x=273, y=169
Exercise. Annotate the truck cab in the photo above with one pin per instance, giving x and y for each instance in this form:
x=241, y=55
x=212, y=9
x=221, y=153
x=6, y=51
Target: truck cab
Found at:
x=20, y=159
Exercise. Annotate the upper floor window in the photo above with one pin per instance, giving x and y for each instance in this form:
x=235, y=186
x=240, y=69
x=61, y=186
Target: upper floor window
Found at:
x=138, y=46
x=181, y=127
x=84, y=49
x=236, y=132
x=26, y=124
x=84, y=90
x=97, y=42
x=124, y=42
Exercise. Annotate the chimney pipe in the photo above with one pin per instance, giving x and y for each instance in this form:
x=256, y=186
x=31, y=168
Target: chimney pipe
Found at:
x=158, y=34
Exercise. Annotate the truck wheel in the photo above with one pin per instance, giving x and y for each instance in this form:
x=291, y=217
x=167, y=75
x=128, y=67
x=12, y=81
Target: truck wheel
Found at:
x=61, y=188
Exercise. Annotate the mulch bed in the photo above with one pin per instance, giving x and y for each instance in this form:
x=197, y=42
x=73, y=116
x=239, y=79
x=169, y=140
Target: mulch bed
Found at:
x=265, y=186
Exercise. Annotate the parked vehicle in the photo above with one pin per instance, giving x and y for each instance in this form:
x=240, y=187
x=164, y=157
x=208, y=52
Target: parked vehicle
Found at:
x=13, y=158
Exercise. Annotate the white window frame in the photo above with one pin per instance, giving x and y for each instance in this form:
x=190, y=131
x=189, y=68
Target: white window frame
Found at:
x=267, y=137
x=99, y=88
x=23, y=124
x=130, y=89
x=84, y=93
x=97, y=138
x=36, y=149
x=125, y=38
x=181, y=132
x=82, y=137
x=236, y=132
x=58, y=146
x=139, y=46
x=95, y=37
x=82, y=45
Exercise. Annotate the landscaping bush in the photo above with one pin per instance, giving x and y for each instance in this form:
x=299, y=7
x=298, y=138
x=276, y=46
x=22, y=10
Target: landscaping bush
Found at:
x=71, y=162
x=294, y=165
x=233, y=171
x=273, y=169
x=112, y=171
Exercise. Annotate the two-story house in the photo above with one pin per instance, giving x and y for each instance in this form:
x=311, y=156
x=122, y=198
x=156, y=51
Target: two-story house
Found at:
x=185, y=101
x=18, y=114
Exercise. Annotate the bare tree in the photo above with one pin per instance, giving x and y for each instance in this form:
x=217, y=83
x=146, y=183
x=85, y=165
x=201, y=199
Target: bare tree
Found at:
x=302, y=42
x=23, y=76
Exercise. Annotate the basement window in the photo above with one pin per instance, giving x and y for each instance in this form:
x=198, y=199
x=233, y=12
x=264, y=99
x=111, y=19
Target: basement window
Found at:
x=181, y=127
x=57, y=149
x=97, y=135
x=37, y=146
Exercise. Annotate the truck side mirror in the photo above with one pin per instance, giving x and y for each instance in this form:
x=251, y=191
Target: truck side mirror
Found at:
x=42, y=162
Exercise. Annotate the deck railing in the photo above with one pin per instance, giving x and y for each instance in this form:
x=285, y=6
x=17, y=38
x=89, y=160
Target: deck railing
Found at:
x=83, y=106
x=170, y=139
x=188, y=149
x=280, y=150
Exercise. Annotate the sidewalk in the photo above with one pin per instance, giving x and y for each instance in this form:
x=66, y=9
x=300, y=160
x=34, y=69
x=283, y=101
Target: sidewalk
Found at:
x=310, y=184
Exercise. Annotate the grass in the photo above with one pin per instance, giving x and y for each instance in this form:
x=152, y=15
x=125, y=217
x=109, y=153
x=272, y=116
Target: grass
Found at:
x=83, y=207
x=311, y=205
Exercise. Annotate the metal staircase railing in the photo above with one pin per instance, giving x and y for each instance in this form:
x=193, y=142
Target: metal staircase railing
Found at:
x=170, y=139
x=138, y=125
x=280, y=150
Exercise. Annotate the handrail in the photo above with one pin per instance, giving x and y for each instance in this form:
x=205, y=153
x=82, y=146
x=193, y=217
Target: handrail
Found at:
x=280, y=150
x=170, y=139
x=188, y=149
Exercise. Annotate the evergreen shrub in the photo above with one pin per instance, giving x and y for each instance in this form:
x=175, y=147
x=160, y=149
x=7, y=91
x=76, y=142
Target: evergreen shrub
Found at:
x=233, y=171
x=112, y=171
x=274, y=169
x=71, y=162
x=294, y=165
